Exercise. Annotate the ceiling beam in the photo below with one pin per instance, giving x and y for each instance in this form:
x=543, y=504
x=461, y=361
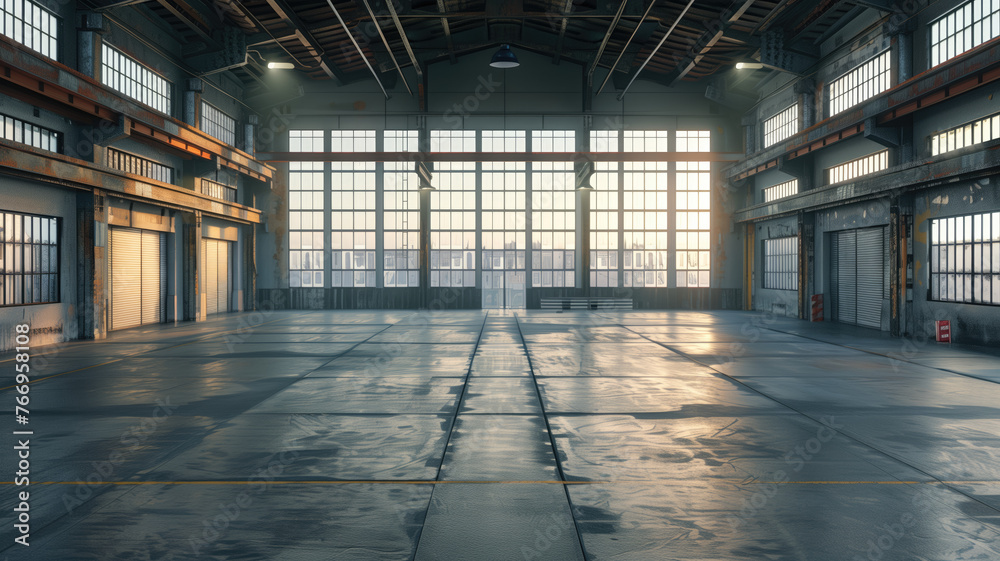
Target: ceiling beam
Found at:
x=604, y=43
x=386, y=43
x=413, y=58
x=361, y=52
x=191, y=18
x=656, y=49
x=704, y=44
x=611, y=69
x=499, y=156
x=447, y=31
x=302, y=33
x=562, y=30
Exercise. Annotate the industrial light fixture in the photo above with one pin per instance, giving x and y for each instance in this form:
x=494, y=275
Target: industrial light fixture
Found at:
x=504, y=58
x=281, y=66
x=749, y=66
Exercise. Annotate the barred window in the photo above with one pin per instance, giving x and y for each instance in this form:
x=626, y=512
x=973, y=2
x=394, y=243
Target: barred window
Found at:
x=966, y=27
x=781, y=190
x=130, y=77
x=965, y=258
x=647, y=141
x=401, y=225
x=352, y=141
x=453, y=141
x=864, y=82
x=137, y=165
x=29, y=259
x=781, y=263
x=693, y=215
x=782, y=125
x=864, y=165
x=218, y=124
x=306, y=242
x=353, y=223
x=400, y=140
x=504, y=141
x=963, y=136
x=603, y=141
x=218, y=190
x=33, y=135
x=453, y=223
x=694, y=141
x=31, y=25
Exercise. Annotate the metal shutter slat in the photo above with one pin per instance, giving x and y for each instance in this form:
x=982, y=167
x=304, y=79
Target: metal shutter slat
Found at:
x=847, y=277
x=126, y=278
x=870, y=277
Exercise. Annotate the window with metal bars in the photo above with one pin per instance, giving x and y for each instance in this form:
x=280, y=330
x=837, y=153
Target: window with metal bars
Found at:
x=781, y=126
x=963, y=136
x=130, y=163
x=31, y=25
x=218, y=124
x=866, y=81
x=132, y=78
x=969, y=25
x=781, y=190
x=781, y=263
x=218, y=190
x=29, y=259
x=965, y=258
x=21, y=131
x=864, y=165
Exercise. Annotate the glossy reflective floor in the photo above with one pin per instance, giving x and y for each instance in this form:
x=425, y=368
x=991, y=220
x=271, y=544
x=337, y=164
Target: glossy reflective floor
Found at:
x=467, y=436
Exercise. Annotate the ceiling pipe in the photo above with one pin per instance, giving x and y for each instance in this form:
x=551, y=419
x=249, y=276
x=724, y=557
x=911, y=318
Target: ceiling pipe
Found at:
x=604, y=43
x=387, y=48
x=658, y=45
x=358, y=47
x=625, y=48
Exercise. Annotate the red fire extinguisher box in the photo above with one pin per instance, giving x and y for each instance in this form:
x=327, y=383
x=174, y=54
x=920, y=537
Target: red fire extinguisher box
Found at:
x=942, y=330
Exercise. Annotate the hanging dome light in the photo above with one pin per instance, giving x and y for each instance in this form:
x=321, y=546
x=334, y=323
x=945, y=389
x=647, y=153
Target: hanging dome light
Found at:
x=504, y=58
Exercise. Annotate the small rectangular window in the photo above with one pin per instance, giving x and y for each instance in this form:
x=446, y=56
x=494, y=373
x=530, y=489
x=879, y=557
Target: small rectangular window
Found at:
x=137, y=165
x=26, y=133
x=781, y=190
x=126, y=75
x=31, y=25
x=965, y=258
x=864, y=82
x=29, y=259
x=865, y=165
x=782, y=125
x=781, y=263
x=977, y=132
x=218, y=124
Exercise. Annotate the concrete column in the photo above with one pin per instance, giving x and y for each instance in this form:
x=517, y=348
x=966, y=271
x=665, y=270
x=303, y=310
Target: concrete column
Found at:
x=806, y=90
x=92, y=265
x=750, y=128
x=192, y=102
x=91, y=26
x=250, y=134
x=194, y=307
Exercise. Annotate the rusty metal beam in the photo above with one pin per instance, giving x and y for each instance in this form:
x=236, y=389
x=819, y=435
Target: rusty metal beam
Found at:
x=48, y=167
x=447, y=32
x=962, y=74
x=611, y=69
x=27, y=76
x=499, y=156
x=656, y=49
x=562, y=29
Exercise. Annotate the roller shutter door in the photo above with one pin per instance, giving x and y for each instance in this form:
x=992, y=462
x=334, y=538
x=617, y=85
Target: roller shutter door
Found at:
x=859, y=271
x=138, y=277
x=217, y=275
x=870, y=281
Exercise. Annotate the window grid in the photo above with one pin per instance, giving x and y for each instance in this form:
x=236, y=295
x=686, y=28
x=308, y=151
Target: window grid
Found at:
x=646, y=223
x=218, y=124
x=646, y=141
x=604, y=141
x=965, y=259
x=218, y=190
x=130, y=163
x=130, y=77
x=865, y=81
x=401, y=225
x=864, y=165
x=453, y=141
x=781, y=126
x=33, y=135
x=553, y=224
x=305, y=141
x=693, y=222
x=604, y=210
x=31, y=25
x=553, y=141
x=400, y=140
x=504, y=141
x=504, y=215
x=29, y=259
x=352, y=141
x=306, y=238
x=352, y=222
x=781, y=263
x=963, y=136
x=694, y=141
x=781, y=190
x=964, y=28
x=453, y=224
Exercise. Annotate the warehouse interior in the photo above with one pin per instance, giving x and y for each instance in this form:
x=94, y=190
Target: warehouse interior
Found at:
x=484, y=280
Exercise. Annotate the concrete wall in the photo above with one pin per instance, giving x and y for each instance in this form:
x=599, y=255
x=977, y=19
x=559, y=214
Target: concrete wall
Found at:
x=779, y=302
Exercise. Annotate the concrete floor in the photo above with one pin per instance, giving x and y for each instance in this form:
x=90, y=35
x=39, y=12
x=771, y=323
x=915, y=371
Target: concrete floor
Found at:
x=468, y=436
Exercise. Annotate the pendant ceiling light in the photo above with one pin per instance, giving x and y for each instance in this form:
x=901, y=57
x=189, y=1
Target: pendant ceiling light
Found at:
x=504, y=58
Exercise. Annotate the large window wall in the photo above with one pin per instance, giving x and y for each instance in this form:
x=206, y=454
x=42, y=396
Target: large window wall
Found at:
x=500, y=224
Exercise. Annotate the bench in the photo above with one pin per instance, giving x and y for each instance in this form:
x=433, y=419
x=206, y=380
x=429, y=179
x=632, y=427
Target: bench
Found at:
x=585, y=303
